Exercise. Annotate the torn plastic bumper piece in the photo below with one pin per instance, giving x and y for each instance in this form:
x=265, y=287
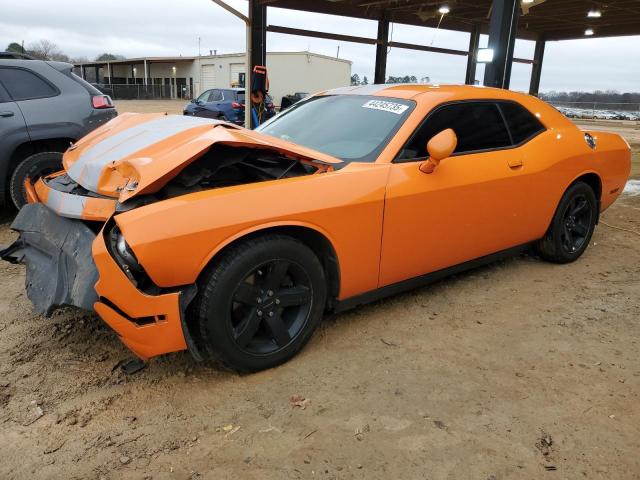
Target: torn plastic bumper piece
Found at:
x=57, y=254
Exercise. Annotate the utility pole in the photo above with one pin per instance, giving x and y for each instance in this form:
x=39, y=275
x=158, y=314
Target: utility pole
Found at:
x=199, y=54
x=338, y=54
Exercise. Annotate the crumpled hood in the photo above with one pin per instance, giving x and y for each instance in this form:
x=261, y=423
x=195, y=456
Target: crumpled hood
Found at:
x=137, y=154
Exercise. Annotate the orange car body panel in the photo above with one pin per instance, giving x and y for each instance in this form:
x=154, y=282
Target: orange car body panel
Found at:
x=161, y=333
x=386, y=221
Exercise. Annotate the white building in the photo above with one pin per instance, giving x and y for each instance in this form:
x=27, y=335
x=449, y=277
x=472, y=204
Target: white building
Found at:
x=179, y=77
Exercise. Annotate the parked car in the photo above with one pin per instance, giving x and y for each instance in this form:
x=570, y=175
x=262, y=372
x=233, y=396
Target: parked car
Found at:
x=225, y=104
x=233, y=243
x=44, y=108
x=289, y=100
x=15, y=56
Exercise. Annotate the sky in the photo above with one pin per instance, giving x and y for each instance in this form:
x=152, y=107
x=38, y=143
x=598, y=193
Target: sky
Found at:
x=137, y=28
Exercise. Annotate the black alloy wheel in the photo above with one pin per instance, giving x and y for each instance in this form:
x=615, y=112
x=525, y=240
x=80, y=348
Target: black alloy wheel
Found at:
x=572, y=225
x=259, y=302
x=577, y=220
x=270, y=306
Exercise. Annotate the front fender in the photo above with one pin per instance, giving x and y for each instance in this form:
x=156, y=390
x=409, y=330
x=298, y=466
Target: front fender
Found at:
x=176, y=238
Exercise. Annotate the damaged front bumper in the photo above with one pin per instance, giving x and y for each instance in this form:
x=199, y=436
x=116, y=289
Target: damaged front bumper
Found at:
x=57, y=254
x=149, y=325
x=69, y=265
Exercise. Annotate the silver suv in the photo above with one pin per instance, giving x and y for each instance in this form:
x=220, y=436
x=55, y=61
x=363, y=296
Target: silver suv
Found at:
x=44, y=107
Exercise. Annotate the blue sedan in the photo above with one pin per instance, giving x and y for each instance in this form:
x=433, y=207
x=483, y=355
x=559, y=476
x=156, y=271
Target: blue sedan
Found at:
x=223, y=104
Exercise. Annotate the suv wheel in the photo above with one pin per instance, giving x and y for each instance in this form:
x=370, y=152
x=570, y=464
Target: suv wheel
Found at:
x=31, y=169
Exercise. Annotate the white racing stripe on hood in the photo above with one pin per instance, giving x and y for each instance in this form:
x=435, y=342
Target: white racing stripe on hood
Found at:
x=87, y=169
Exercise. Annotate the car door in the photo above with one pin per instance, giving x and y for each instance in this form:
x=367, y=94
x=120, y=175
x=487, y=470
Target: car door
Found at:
x=13, y=129
x=471, y=205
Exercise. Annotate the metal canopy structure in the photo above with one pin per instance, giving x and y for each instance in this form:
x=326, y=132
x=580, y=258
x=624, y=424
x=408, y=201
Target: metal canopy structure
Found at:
x=502, y=20
x=551, y=19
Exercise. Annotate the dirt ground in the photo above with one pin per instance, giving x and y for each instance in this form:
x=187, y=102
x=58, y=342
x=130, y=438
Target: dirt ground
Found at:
x=519, y=370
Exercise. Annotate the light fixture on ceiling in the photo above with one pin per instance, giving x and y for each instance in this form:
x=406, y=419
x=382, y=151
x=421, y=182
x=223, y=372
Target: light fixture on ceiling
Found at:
x=484, y=55
x=594, y=13
x=444, y=9
x=588, y=32
x=527, y=1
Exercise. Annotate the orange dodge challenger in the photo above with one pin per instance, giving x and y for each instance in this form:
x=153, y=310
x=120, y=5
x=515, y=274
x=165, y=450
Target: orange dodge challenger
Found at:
x=188, y=233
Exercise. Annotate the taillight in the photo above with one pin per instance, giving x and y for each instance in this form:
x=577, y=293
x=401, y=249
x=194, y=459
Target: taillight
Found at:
x=237, y=105
x=101, y=101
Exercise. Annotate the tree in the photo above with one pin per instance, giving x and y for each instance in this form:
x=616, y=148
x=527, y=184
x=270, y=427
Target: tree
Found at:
x=365, y=80
x=105, y=57
x=355, y=79
x=15, y=47
x=46, y=50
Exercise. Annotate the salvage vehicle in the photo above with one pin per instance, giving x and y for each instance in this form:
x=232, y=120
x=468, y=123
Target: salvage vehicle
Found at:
x=198, y=234
x=44, y=107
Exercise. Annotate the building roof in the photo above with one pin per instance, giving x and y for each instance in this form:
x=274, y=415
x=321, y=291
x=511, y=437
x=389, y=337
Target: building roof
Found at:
x=139, y=60
x=551, y=19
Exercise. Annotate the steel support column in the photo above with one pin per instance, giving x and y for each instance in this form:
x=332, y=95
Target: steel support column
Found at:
x=503, y=28
x=258, y=18
x=258, y=41
x=536, y=70
x=474, y=40
x=382, y=47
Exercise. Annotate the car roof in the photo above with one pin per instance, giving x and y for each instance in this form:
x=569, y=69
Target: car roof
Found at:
x=434, y=94
x=415, y=90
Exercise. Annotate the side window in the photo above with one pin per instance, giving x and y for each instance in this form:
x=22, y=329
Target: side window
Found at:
x=204, y=97
x=522, y=123
x=216, y=96
x=478, y=126
x=25, y=85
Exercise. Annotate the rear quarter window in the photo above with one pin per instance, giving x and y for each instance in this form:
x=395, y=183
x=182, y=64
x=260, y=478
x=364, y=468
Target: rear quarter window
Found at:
x=522, y=123
x=23, y=84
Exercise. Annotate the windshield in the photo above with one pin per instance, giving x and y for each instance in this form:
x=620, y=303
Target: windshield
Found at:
x=349, y=127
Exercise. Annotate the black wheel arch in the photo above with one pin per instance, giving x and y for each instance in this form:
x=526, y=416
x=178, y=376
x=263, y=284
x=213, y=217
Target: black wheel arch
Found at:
x=315, y=240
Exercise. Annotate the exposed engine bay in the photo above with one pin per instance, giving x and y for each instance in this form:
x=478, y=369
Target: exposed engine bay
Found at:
x=225, y=166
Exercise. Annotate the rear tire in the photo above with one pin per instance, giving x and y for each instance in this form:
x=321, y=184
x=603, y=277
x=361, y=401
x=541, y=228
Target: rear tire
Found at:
x=572, y=226
x=260, y=303
x=32, y=168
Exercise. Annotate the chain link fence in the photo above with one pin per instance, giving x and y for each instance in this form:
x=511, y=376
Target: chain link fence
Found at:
x=599, y=111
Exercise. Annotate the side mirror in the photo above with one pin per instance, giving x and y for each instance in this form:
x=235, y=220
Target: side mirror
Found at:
x=439, y=147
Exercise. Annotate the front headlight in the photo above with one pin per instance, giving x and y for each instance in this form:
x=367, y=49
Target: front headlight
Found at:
x=128, y=258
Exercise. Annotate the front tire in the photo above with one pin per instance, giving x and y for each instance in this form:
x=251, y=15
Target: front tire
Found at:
x=572, y=226
x=260, y=302
x=31, y=169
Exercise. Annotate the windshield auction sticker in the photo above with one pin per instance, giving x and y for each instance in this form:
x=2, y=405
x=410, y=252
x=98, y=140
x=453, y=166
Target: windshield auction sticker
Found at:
x=393, y=107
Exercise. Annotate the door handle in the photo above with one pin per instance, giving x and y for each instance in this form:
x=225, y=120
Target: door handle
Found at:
x=6, y=114
x=515, y=162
